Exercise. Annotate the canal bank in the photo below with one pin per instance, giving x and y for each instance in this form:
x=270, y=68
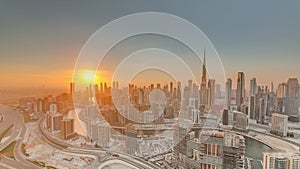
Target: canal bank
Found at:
x=254, y=150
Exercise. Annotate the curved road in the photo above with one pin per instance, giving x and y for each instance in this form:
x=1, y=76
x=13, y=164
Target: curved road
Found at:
x=74, y=149
x=16, y=134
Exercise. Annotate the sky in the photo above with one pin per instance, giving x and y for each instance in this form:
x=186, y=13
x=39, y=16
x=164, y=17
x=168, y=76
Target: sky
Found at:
x=40, y=40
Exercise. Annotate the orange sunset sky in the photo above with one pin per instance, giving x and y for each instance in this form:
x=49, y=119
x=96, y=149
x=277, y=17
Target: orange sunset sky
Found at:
x=40, y=41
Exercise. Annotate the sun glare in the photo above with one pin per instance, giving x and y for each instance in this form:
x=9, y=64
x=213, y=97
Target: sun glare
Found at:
x=89, y=76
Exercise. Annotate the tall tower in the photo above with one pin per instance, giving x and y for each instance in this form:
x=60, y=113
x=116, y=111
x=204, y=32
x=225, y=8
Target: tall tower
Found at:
x=67, y=128
x=228, y=92
x=203, y=100
x=240, y=92
x=178, y=94
x=253, y=87
x=271, y=87
x=204, y=69
x=282, y=90
x=72, y=88
x=292, y=87
x=252, y=107
x=262, y=110
x=212, y=95
x=293, y=96
x=190, y=88
x=171, y=88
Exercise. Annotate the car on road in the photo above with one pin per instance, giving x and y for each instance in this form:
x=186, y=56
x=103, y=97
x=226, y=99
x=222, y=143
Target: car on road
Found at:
x=115, y=155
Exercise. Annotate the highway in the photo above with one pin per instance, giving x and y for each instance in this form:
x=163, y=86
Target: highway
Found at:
x=103, y=155
x=19, y=156
x=10, y=117
x=62, y=146
x=8, y=163
x=16, y=134
x=268, y=129
x=130, y=159
x=108, y=155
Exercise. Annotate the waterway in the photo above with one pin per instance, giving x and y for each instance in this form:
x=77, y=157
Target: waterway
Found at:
x=254, y=150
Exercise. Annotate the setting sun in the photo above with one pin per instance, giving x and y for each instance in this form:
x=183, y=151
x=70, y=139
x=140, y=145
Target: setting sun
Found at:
x=89, y=76
x=85, y=77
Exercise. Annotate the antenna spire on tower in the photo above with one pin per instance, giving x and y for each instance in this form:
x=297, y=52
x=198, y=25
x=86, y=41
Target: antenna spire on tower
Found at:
x=204, y=68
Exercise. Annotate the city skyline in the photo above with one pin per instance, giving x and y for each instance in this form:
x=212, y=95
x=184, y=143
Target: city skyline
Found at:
x=150, y=84
x=165, y=80
x=268, y=118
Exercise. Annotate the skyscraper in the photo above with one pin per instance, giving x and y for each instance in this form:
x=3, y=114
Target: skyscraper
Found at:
x=96, y=90
x=218, y=91
x=240, y=93
x=72, y=88
x=67, y=128
x=252, y=107
x=104, y=134
x=262, y=110
x=203, y=100
x=228, y=92
x=292, y=87
x=114, y=85
x=293, y=97
x=178, y=94
x=282, y=90
x=212, y=95
x=271, y=88
x=282, y=98
x=225, y=117
x=171, y=88
x=53, y=121
x=196, y=116
x=190, y=88
x=101, y=87
x=253, y=87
